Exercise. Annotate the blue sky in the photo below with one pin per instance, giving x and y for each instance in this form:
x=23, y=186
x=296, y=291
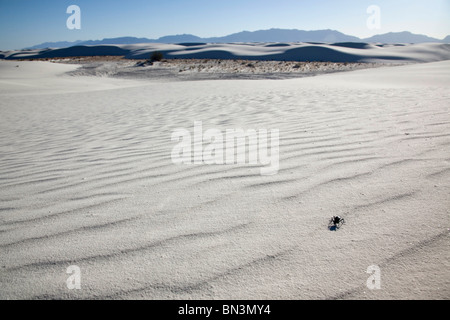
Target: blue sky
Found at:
x=29, y=22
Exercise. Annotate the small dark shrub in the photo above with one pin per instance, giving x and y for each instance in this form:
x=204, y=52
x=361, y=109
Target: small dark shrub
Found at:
x=156, y=56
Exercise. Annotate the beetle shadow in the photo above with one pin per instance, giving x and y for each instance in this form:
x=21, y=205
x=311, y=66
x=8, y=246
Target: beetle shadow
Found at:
x=333, y=228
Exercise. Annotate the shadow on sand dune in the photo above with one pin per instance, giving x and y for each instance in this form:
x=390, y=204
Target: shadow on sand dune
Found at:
x=76, y=51
x=338, y=52
x=352, y=45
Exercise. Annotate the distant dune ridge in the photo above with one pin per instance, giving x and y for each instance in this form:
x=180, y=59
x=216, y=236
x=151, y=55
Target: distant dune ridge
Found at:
x=337, y=52
x=273, y=44
x=272, y=35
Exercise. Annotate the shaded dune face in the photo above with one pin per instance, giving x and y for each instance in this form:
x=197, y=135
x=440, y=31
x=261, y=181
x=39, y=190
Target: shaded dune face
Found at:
x=338, y=52
x=86, y=179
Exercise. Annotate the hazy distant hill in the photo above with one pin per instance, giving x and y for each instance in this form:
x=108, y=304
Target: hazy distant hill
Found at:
x=121, y=40
x=59, y=44
x=283, y=35
x=402, y=37
x=179, y=39
x=272, y=35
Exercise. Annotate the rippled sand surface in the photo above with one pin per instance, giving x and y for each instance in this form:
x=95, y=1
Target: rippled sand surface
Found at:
x=86, y=179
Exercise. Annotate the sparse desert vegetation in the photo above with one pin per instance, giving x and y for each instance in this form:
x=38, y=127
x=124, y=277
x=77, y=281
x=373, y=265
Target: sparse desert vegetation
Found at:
x=201, y=68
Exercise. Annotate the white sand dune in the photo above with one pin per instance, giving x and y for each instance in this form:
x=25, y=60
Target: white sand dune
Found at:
x=86, y=179
x=339, y=52
x=30, y=78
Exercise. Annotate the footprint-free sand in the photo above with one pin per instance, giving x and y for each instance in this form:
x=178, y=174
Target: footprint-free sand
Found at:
x=87, y=179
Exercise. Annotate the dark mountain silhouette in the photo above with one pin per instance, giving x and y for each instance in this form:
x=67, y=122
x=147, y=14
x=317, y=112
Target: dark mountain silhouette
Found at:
x=272, y=35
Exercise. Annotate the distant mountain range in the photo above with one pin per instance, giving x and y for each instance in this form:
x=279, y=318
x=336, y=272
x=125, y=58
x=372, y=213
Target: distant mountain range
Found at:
x=272, y=35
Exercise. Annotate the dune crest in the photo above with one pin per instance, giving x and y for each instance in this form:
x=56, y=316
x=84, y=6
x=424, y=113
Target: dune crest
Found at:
x=338, y=52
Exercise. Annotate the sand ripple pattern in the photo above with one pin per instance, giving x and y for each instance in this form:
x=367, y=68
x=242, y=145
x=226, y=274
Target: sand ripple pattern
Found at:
x=87, y=180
